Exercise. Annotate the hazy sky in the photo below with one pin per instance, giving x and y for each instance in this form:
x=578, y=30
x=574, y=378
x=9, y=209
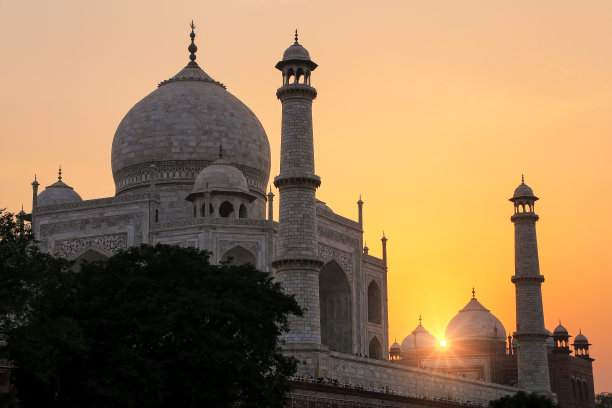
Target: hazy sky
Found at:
x=430, y=109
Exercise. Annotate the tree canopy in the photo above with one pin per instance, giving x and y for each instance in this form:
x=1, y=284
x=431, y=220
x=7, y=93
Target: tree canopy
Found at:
x=152, y=326
x=523, y=400
x=603, y=400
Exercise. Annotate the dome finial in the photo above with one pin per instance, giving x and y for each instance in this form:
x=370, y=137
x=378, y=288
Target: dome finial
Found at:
x=192, y=47
x=473, y=293
x=296, y=36
x=522, y=179
x=420, y=319
x=59, y=173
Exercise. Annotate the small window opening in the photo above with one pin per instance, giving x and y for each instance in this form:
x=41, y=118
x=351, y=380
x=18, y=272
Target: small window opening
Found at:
x=226, y=209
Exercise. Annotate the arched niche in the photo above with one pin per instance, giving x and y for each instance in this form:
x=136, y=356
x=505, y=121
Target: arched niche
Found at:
x=375, y=348
x=239, y=255
x=226, y=209
x=91, y=254
x=335, y=308
x=374, y=303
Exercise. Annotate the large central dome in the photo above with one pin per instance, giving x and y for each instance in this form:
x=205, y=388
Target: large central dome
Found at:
x=179, y=127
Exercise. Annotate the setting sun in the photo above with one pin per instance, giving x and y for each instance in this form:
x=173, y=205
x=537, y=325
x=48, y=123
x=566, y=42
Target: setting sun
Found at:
x=443, y=343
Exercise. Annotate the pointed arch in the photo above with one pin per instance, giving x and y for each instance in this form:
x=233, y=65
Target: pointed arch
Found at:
x=242, y=211
x=375, y=348
x=89, y=254
x=335, y=308
x=239, y=255
x=374, y=303
x=226, y=209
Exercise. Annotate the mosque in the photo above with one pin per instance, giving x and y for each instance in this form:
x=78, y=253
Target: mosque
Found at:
x=191, y=166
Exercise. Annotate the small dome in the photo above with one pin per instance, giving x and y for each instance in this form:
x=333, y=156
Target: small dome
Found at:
x=220, y=176
x=475, y=322
x=296, y=52
x=423, y=339
x=58, y=193
x=581, y=338
x=395, y=347
x=523, y=190
x=560, y=330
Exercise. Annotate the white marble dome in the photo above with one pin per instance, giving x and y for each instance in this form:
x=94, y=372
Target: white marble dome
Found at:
x=220, y=176
x=58, y=193
x=422, y=337
x=474, y=322
x=179, y=126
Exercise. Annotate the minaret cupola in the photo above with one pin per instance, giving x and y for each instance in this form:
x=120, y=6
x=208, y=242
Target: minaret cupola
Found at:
x=296, y=64
x=561, y=337
x=581, y=346
x=524, y=199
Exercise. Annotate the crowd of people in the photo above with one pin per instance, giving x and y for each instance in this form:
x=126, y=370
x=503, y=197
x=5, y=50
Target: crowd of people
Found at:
x=332, y=382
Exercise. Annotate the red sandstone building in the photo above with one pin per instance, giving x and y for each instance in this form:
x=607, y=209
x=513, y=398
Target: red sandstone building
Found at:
x=477, y=347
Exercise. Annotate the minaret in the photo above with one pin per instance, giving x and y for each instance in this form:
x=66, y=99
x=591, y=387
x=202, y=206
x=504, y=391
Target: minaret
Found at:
x=360, y=212
x=297, y=264
x=35, y=185
x=270, y=205
x=384, y=248
x=530, y=332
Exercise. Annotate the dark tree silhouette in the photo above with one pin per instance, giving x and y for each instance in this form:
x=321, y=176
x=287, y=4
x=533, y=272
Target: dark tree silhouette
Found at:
x=153, y=326
x=523, y=400
x=603, y=400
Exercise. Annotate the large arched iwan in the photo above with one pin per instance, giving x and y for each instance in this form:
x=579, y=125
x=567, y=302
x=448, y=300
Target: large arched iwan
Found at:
x=335, y=307
x=374, y=303
x=239, y=255
x=375, y=348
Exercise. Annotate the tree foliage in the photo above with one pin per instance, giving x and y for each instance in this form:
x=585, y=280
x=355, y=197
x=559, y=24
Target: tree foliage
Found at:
x=153, y=326
x=523, y=400
x=603, y=400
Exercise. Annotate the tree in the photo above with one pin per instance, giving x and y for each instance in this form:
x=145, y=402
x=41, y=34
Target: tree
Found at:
x=155, y=326
x=523, y=400
x=25, y=272
x=603, y=400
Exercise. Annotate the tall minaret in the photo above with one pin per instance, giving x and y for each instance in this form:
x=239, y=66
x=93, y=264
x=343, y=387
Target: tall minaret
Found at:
x=530, y=332
x=297, y=264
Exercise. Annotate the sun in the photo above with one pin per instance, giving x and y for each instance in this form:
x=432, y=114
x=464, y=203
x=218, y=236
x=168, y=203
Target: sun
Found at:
x=442, y=343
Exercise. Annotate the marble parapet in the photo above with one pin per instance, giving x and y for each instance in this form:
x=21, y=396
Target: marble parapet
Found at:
x=212, y=221
x=98, y=202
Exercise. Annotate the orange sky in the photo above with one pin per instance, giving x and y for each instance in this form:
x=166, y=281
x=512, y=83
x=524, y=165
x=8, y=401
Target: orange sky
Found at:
x=430, y=109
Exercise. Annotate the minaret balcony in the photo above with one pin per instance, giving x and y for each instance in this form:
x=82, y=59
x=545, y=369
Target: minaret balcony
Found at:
x=296, y=90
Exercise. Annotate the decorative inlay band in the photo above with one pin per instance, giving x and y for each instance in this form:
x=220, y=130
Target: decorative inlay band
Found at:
x=344, y=259
x=111, y=243
x=224, y=245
